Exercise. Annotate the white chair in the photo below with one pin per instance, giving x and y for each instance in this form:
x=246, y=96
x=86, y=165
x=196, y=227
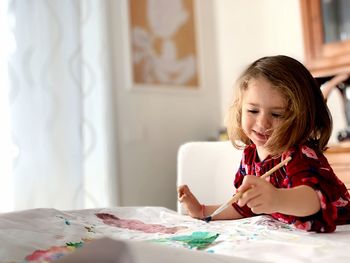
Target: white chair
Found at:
x=208, y=168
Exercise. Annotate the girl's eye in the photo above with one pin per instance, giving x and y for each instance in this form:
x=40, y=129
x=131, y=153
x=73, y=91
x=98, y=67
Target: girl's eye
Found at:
x=277, y=115
x=253, y=111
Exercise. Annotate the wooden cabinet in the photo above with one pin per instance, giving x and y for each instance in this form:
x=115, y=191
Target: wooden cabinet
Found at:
x=326, y=36
x=339, y=158
x=326, y=28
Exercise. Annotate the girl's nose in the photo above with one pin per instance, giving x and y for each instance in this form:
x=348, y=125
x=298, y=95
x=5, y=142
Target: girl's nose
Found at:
x=264, y=122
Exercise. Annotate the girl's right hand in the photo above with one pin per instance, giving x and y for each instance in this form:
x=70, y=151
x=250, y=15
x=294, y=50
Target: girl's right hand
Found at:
x=189, y=201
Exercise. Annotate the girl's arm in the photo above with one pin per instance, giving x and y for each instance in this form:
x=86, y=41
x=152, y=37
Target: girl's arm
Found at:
x=229, y=213
x=298, y=201
x=263, y=197
x=197, y=210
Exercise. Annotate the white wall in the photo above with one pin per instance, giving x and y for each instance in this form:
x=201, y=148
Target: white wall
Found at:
x=152, y=124
x=247, y=30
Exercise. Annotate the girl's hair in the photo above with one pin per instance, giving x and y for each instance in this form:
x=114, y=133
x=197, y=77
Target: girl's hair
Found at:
x=307, y=118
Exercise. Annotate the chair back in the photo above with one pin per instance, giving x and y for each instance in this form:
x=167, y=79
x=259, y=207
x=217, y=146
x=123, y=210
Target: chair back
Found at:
x=208, y=168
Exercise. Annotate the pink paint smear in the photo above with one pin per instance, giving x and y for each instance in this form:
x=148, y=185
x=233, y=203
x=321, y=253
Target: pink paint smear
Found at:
x=138, y=225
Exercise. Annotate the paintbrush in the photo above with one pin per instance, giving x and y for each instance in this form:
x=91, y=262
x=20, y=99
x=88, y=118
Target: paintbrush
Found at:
x=238, y=195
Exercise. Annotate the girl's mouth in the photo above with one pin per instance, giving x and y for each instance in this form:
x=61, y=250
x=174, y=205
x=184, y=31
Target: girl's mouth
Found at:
x=262, y=136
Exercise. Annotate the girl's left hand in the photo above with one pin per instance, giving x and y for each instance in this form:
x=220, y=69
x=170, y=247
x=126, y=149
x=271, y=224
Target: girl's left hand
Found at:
x=260, y=195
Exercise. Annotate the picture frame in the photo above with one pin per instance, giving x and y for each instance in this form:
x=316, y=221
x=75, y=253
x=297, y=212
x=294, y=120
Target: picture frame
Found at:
x=163, y=44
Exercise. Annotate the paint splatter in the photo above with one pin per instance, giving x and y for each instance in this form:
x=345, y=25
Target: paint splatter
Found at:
x=53, y=253
x=66, y=221
x=76, y=245
x=273, y=224
x=198, y=240
x=138, y=225
x=90, y=229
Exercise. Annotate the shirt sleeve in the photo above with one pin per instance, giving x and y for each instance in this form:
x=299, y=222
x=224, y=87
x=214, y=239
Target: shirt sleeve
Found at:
x=311, y=169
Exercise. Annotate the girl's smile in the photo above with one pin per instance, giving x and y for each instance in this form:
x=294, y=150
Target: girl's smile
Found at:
x=261, y=136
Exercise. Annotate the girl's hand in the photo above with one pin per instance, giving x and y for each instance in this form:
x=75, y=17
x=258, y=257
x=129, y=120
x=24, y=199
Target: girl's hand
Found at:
x=189, y=201
x=260, y=196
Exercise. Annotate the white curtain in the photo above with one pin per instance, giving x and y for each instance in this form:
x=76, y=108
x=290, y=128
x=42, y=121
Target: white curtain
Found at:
x=60, y=106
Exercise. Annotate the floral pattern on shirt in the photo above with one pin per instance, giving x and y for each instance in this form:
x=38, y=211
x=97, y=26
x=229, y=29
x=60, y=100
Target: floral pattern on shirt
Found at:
x=306, y=168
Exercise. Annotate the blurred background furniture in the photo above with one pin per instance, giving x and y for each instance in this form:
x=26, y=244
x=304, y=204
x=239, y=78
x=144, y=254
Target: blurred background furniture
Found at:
x=339, y=158
x=326, y=36
x=208, y=168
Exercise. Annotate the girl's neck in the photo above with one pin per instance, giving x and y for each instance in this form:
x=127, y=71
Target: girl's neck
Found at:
x=262, y=153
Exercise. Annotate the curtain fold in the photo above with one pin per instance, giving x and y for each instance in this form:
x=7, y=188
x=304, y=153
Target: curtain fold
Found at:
x=59, y=101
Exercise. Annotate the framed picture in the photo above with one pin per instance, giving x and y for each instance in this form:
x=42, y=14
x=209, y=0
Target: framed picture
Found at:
x=163, y=43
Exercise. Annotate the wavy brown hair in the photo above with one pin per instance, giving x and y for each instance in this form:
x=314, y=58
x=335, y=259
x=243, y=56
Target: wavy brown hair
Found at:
x=307, y=118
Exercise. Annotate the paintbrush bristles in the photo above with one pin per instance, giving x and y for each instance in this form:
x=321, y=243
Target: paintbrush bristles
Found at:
x=224, y=206
x=238, y=195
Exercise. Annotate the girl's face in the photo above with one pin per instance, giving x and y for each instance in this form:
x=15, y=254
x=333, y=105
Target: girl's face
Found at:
x=263, y=109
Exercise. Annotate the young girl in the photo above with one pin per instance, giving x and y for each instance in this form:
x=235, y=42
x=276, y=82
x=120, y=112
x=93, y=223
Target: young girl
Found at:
x=279, y=111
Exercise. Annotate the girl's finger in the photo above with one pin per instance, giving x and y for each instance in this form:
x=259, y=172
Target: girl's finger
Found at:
x=247, y=196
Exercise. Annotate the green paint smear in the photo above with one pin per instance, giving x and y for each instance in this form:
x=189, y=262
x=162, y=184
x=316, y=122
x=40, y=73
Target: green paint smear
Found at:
x=198, y=240
x=76, y=245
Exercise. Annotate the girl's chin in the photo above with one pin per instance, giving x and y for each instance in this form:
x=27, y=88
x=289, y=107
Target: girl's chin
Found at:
x=259, y=142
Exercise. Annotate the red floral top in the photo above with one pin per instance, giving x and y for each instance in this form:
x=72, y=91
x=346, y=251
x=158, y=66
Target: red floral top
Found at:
x=306, y=168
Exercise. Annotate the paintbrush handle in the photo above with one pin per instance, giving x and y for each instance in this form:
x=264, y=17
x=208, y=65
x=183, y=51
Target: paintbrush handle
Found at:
x=275, y=168
x=238, y=195
x=233, y=199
